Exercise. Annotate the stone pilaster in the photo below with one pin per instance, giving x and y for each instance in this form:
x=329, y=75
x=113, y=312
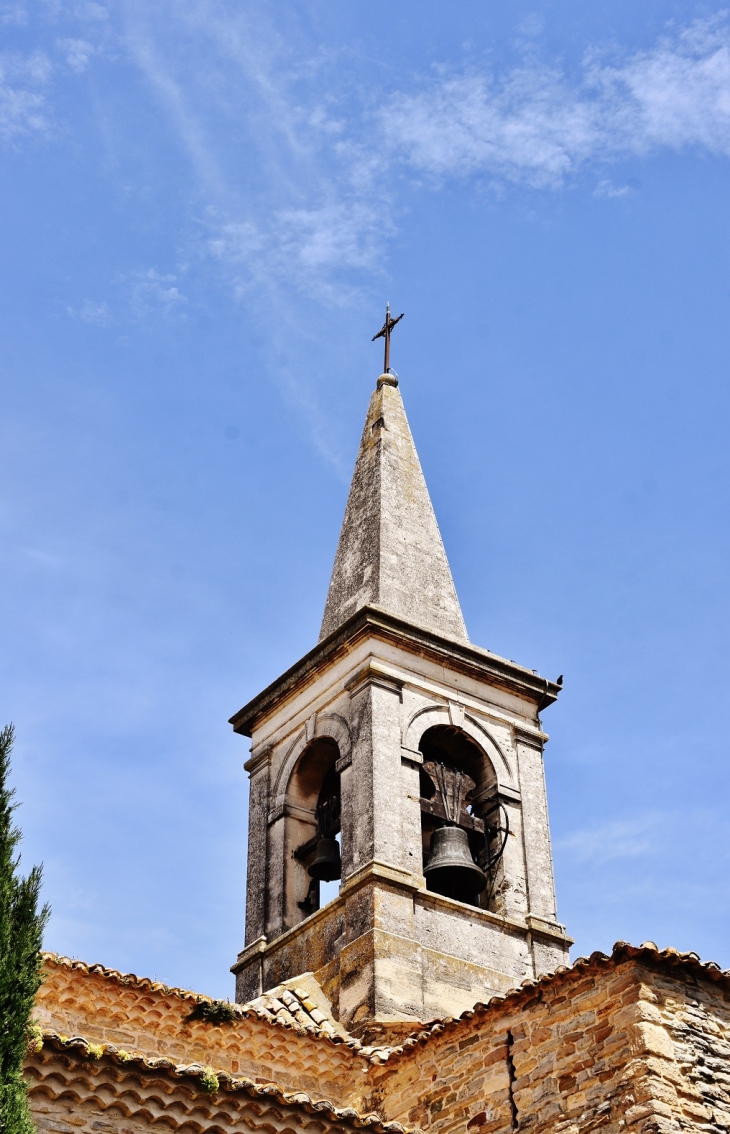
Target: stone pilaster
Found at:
x=536, y=832
x=258, y=767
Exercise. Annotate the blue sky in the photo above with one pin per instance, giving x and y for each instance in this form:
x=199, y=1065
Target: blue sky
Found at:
x=203, y=208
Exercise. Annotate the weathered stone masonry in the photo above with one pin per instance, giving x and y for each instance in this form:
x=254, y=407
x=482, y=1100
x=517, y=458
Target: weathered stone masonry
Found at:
x=639, y=1041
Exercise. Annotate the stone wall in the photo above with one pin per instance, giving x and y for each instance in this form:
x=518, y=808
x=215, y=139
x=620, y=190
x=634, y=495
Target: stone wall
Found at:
x=623, y=1043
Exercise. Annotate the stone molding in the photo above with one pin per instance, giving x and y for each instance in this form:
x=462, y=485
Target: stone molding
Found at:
x=466, y=912
x=256, y=949
x=509, y=794
x=374, y=674
x=372, y=871
x=390, y=875
x=290, y=809
x=384, y=872
x=550, y=929
x=531, y=737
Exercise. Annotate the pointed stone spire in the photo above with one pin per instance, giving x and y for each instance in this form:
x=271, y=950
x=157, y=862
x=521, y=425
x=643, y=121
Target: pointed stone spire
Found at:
x=390, y=552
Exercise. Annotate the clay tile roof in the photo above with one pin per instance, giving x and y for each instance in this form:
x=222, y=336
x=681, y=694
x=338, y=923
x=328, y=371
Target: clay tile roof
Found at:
x=283, y=1006
x=84, y=1049
x=292, y=1007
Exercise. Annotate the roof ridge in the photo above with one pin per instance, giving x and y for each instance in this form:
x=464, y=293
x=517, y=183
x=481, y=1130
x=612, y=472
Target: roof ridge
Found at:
x=230, y=1082
x=131, y=979
x=622, y=950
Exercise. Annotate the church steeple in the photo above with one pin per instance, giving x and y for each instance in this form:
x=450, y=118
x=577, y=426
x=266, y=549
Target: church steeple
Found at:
x=405, y=762
x=390, y=552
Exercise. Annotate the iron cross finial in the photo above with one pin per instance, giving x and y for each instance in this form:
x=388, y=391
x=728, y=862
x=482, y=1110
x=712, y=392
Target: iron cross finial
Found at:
x=384, y=333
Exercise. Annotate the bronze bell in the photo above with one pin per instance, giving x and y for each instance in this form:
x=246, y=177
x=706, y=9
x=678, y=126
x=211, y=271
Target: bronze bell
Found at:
x=326, y=864
x=450, y=869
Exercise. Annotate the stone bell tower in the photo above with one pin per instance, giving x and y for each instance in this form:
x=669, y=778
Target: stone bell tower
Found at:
x=391, y=729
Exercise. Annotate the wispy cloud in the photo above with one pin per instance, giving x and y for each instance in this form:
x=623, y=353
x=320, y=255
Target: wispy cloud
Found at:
x=306, y=246
x=309, y=215
x=637, y=837
x=91, y=311
x=606, y=188
x=312, y=216
x=24, y=81
x=156, y=293
x=77, y=53
x=13, y=14
x=537, y=124
x=297, y=178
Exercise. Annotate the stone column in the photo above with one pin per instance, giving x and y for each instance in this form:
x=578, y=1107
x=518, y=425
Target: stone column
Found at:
x=356, y=785
x=275, y=923
x=512, y=886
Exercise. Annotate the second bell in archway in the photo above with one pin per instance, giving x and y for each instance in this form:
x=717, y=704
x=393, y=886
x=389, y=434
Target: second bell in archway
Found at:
x=326, y=864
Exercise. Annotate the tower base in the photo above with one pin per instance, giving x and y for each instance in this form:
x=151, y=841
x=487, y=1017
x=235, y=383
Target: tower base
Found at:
x=388, y=954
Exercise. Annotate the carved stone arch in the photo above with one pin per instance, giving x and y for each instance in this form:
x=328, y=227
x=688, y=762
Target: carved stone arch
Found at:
x=336, y=728
x=416, y=726
x=331, y=725
x=483, y=737
x=430, y=715
x=288, y=764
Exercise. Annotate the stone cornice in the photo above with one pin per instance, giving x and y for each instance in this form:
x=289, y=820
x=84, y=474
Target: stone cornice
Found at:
x=385, y=873
x=531, y=737
x=258, y=760
x=373, y=622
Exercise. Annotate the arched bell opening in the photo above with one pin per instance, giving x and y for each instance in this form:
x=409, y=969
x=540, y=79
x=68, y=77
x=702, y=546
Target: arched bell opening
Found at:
x=462, y=823
x=313, y=818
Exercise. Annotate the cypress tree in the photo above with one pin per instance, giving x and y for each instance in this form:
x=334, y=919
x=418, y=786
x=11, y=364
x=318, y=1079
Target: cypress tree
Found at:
x=21, y=933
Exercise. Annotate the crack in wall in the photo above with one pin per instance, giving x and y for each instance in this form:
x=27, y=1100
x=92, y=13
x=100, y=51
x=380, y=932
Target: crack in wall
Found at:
x=512, y=1076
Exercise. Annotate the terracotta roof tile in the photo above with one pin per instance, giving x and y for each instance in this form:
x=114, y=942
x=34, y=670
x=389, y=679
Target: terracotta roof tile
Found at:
x=84, y=1049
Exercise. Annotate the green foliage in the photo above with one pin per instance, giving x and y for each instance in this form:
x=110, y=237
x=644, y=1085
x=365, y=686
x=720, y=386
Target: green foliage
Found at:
x=35, y=1037
x=214, y=1012
x=208, y=1081
x=21, y=934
